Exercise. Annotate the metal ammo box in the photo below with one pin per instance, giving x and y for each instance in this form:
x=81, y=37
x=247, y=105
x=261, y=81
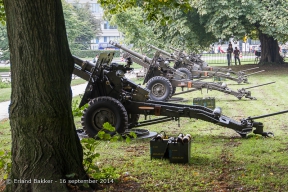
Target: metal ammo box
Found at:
x=217, y=78
x=179, y=152
x=159, y=149
x=206, y=102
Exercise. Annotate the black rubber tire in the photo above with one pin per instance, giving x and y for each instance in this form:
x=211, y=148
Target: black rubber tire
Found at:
x=160, y=88
x=186, y=71
x=101, y=110
x=132, y=120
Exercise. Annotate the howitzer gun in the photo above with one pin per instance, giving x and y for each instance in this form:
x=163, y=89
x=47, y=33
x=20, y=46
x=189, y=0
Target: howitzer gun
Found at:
x=162, y=82
x=194, y=58
x=182, y=63
x=112, y=98
x=185, y=61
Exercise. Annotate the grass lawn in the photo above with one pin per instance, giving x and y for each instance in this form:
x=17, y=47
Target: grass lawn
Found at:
x=4, y=69
x=220, y=159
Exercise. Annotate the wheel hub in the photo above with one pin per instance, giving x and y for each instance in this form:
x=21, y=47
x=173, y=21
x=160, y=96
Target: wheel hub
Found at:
x=185, y=76
x=102, y=116
x=158, y=90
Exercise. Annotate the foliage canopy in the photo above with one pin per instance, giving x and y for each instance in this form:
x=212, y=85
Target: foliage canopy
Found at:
x=81, y=25
x=202, y=22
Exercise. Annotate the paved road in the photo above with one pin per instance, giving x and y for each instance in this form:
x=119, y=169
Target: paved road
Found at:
x=76, y=90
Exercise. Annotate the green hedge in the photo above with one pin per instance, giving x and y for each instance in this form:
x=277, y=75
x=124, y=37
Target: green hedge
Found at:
x=92, y=53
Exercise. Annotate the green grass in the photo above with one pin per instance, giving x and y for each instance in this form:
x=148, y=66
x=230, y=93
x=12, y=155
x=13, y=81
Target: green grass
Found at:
x=5, y=135
x=220, y=159
x=5, y=94
x=78, y=81
x=225, y=63
x=4, y=69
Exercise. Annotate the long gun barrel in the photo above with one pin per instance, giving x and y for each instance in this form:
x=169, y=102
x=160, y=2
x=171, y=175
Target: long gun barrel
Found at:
x=250, y=69
x=85, y=65
x=82, y=68
x=162, y=51
x=254, y=73
x=144, y=58
x=174, y=49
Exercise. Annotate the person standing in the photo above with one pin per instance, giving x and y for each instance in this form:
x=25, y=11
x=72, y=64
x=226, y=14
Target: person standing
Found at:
x=95, y=59
x=236, y=55
x=229, y=54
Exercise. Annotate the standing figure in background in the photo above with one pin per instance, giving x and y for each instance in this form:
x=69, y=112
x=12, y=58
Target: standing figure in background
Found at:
x=230, y=44
x=229, y=54
x=219, y=48
x=95, y=59
x=236, y=55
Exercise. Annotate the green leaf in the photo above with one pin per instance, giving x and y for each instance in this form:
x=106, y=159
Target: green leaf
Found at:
x=5, y=176
x=128, y=139
x=101, y=134
x=133, y=134
x=106, y=136
x=107, y=126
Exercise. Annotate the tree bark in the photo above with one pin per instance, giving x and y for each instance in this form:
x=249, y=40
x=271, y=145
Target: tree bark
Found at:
x=269, y=50
x=44, y=140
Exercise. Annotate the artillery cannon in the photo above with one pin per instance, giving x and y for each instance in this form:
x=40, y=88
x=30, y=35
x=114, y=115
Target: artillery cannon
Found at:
x=183, y=62
x=194, y=58
x=162, y=80
x=113, y=98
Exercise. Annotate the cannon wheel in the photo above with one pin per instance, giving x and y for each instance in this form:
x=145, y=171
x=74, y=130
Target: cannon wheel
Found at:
x=102, y=110
x=160, y=88
x=188, y=74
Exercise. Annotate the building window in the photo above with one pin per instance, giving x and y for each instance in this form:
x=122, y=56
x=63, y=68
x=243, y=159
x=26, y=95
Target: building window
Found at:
x=96, y=40
x=255, y=42
x=107, y=26
x=95, y=8
x=105, y=39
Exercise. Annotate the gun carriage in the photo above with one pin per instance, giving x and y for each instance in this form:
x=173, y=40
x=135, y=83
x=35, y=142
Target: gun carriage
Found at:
x=113, y=98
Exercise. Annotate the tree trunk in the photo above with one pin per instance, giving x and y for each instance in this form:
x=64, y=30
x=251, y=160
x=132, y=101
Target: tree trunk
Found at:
x=269, y=50
x=44, y=141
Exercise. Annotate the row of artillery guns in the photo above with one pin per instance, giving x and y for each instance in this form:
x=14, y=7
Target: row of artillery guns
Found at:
x=162, y=80
x=113, y=98
x=194, y=67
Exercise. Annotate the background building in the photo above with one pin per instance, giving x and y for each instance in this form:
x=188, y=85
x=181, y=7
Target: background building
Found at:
x=108, y=32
